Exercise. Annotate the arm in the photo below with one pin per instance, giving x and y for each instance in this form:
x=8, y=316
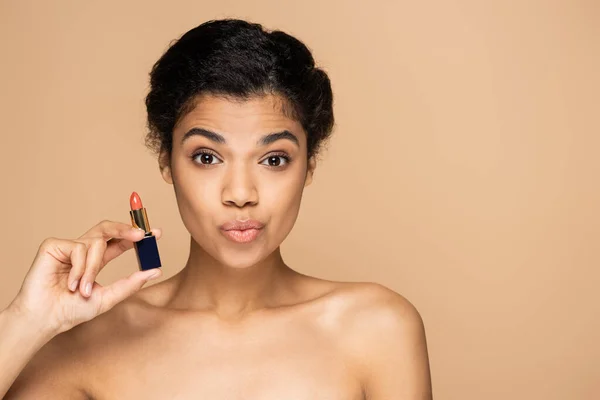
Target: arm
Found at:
x=401, y=361
x=390, y=347
x=20, y=339
x=29, y=361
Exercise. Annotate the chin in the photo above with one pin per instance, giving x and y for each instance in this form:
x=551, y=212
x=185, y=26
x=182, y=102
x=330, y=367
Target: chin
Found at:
x=240, y=260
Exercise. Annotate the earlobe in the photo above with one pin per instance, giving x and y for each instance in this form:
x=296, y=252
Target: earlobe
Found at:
x=165, y=168
x=310, y=170
x=166, y=174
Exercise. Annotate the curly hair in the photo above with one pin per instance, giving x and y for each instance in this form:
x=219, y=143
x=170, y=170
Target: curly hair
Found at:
x=237, y=59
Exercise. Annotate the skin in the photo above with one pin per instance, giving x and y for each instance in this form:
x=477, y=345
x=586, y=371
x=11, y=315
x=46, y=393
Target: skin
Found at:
x=237, y=322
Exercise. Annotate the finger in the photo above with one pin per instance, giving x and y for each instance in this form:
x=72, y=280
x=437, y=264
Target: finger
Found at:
x=65, y=252
x=78, y=261
x=78, y=257
x=116, y=247
x=101, y=253
x=118, y=291
x=95, y=255
x=110, y=229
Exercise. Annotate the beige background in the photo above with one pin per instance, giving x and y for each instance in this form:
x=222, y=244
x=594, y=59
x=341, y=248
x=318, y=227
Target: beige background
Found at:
x=463, y=172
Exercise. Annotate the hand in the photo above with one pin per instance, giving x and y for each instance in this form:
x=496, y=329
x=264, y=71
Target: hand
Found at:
x=60, y=291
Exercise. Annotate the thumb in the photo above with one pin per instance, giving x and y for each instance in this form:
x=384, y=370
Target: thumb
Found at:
x=118, y=291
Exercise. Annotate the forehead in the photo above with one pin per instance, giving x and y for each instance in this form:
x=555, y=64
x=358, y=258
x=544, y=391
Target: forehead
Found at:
x=235, y=117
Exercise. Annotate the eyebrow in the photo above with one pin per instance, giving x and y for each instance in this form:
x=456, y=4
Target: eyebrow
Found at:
x=263, y=141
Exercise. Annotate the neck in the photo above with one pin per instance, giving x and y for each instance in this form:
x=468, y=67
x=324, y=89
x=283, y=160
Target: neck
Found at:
x=206, y=284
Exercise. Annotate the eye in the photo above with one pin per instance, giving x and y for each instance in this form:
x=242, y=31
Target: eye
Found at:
x=274, y=160
x=205, y=157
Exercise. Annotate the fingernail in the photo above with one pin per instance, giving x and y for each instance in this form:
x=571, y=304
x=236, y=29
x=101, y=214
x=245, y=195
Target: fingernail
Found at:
x=73, y=285
x=88, y=289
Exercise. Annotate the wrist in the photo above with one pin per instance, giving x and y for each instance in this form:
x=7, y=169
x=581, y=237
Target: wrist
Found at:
x=21, y=317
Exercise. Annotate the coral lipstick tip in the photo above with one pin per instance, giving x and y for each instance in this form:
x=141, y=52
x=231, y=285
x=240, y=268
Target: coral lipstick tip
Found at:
x=135, y=202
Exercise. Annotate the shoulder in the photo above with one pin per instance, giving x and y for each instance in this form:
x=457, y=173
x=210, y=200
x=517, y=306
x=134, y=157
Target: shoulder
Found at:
x=66, y=362
x=386, y=307
x=383, y=334
x=359, y=312
x=387, y=322
x=373, y=303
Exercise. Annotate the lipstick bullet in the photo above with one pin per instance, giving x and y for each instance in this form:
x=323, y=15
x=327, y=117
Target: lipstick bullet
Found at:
x=147, y=248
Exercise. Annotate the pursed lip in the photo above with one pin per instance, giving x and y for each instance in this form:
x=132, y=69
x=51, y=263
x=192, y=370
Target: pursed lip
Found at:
x=238, y=225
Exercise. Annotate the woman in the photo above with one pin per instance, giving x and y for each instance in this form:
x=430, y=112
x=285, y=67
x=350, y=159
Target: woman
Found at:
x=237, y=116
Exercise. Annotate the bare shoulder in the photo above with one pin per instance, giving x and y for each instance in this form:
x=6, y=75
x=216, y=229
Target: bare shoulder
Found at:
x=368, y=303
x=383, y=333
x=383, y=305
x=357, y=312
x=55, y=371
x=51, y=373
x=64, y=364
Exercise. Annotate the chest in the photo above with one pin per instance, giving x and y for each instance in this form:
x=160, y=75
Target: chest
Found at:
x=296, y=362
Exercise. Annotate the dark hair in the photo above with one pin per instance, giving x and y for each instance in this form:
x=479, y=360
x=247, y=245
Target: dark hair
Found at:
x=237, y=59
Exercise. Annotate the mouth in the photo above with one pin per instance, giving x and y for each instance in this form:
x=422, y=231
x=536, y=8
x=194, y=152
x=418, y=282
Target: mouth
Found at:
x=242, y=231
x=245, y=236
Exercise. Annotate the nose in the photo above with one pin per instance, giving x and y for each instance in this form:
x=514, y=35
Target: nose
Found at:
x=239, y=189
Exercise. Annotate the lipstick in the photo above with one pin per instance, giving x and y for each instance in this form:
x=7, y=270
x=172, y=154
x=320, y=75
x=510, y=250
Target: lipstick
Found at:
x=147, y=248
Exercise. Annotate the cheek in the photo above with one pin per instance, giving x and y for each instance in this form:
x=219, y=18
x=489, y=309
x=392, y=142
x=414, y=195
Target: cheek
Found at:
x=197, y=199
x=280, y=201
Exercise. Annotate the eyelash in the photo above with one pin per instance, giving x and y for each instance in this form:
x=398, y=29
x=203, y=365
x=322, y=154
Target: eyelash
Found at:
x=287, y=158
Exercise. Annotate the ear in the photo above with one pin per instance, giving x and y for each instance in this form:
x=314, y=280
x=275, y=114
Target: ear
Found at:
x=310, y=170
x=164, y=163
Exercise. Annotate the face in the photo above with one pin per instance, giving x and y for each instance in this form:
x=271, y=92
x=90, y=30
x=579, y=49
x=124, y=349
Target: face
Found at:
x=238, y=160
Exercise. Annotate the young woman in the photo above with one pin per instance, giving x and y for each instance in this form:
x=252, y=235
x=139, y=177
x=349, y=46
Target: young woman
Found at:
x=237, y=115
